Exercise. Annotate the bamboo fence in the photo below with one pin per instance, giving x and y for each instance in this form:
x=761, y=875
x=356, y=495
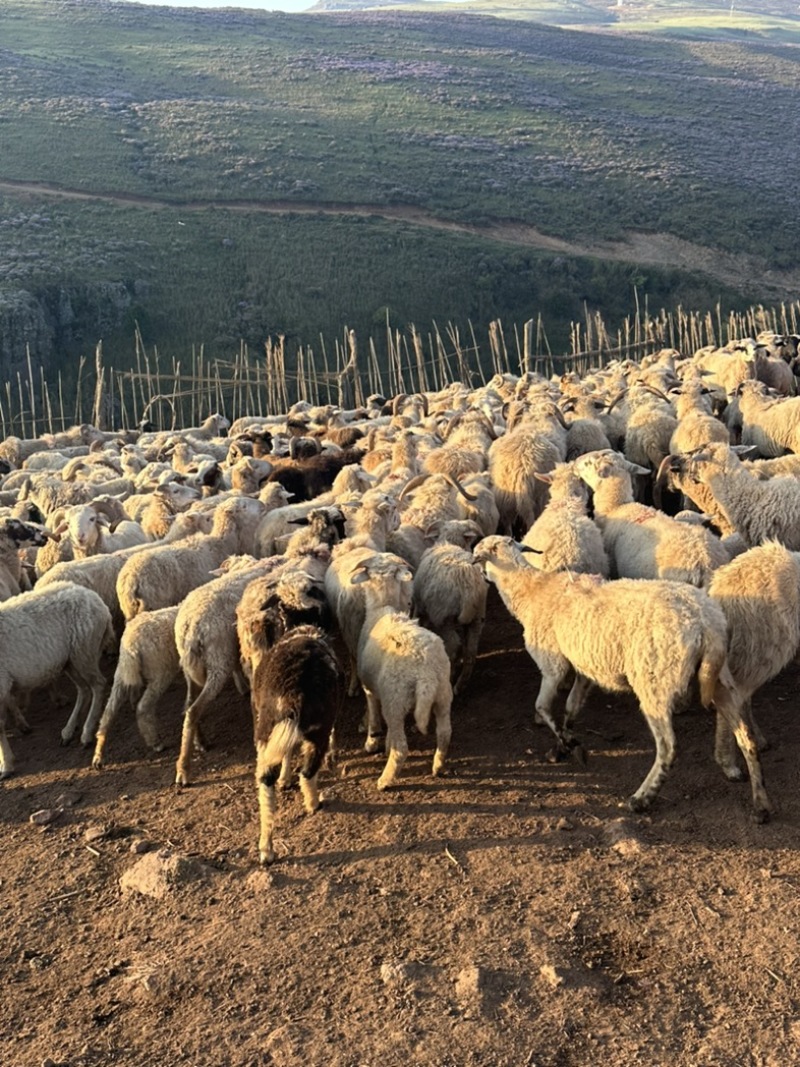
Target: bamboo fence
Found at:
x=183, y=394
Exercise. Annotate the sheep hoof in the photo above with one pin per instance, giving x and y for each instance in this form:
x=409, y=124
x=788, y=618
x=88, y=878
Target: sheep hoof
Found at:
x=579, y=752
x=384, y=784
x=734, y=774
x=557, y=754
x=65, y=739
x=266, y=858
x=761, y=815
x=97, y=763
x=373, y=744
x=182, y=780
x=6, y=773
x=636, y=804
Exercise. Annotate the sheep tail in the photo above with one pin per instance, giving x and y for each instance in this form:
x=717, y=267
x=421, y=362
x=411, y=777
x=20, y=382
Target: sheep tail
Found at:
x=283, y=740
x=425, y=694
x=714, y=668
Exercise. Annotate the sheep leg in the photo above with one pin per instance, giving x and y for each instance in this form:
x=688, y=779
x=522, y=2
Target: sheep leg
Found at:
x=725, y=750
x=664, y=736
x=352, y=683
x=285, y=778
x=443, y=735
x=98, y=689
x=192, y=736
x=397, y=747
x=117, y=697
x=6, y=755
x=738, y=719
x=374, y=720
x=313, y=756
x=469, y=654
x=266, y=776
x=81, y=701
x=20, y=722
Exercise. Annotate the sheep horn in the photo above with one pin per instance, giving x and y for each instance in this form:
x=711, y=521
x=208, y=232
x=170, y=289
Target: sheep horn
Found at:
x=425, y=407
x=656, y=392
x=459, y=487
x=559, y=414
x=661, y=480
x=529, y=548
x=398, y=402
x=412, y=484
x=456, y=419
x=616, y=400
x=293, y=448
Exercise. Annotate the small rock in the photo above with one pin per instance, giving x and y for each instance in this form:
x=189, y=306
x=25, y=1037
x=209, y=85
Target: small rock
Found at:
x=394, y=972
x=564, y=824
x=96, y=832
x=470, y=983
x=554, y=976
x=622, y=837
x=69, y=799
x=138, y=848
x=45, y=816
x=158, y=873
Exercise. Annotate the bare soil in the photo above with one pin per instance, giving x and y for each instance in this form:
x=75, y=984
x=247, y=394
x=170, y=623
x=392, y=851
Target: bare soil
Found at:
x=508, y=915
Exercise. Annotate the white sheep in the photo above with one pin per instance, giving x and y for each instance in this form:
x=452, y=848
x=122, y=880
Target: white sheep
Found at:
x=86, y=526
x=403, y=668
x=100, y=573
x=759, y=592
x=758, y=510
x=44, y=633
x=564, y=538
x=165, y=574
x=641, y=541
x=652, y=638
x=449, y=595
x=148, y=664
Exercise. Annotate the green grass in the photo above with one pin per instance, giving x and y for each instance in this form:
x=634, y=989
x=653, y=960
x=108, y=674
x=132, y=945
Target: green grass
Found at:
x=584, y=136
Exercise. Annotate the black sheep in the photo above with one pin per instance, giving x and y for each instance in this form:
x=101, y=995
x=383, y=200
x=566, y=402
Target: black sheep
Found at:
x=297, y=690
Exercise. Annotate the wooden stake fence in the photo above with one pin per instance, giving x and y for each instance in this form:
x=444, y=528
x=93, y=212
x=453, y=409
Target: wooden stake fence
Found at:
x=270, y=382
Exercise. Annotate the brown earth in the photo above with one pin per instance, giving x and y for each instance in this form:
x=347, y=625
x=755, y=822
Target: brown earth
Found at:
x=737, y=270
x=508, y=915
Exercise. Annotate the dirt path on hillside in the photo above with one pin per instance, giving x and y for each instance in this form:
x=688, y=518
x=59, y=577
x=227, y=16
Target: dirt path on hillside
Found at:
x=739, y=271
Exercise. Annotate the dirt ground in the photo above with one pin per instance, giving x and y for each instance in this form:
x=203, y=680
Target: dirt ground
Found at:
x=508, y=915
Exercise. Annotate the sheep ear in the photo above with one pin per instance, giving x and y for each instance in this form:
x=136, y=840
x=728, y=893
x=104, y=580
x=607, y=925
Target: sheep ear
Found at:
x=745, y=451
x=358, y=577
x=61, y=529
x=405, y=575
x=634, y=468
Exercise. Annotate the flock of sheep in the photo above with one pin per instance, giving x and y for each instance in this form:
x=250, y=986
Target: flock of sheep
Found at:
x=642, y=523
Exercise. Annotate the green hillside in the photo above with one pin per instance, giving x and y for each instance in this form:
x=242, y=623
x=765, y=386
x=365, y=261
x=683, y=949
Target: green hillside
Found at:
x=444, y=166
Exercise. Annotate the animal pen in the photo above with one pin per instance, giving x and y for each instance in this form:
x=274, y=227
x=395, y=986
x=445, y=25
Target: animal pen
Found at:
x=346, y=373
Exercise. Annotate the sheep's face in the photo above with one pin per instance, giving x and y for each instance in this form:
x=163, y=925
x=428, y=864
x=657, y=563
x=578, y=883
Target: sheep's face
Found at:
x=496, y=552
x=84, y=525
x=708, y=462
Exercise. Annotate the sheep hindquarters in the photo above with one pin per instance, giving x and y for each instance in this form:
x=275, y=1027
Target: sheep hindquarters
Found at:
x=298, y=688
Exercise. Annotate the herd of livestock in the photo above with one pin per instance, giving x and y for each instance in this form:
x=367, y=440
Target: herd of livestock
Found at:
x=641, y=522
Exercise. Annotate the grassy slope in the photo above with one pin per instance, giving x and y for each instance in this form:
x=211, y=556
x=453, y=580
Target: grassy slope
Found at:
x=583, y=136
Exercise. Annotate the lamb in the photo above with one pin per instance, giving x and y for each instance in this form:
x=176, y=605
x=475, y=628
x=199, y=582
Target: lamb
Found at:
x=449, y=595
x=758, y=510
x=564, y=538
x=165, y=574
x=298, y=690
x=44, y=633
x=642, y=542
x=148, y=664
x=595, y=627
x=402, y=667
